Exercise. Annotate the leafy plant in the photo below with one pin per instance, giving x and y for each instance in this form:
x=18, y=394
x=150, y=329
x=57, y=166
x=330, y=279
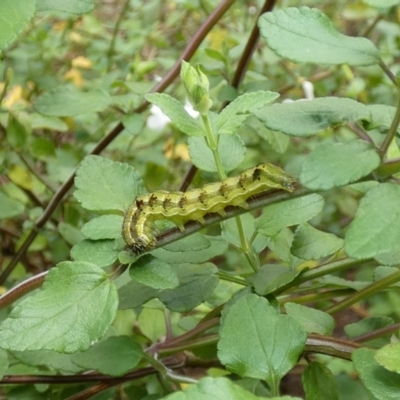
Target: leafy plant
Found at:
x=233, y=306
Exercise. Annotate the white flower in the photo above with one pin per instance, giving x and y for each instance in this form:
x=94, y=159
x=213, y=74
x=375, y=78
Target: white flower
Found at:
x=157, y=121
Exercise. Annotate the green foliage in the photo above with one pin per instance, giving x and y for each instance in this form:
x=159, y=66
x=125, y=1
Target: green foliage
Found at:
x=228, y=305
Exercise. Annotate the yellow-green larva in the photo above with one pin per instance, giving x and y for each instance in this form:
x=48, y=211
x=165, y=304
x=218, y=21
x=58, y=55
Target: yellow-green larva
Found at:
x=181, y=207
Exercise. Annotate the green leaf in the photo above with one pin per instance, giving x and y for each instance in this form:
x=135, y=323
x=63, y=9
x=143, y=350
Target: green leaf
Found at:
x=154, y=273
x=59, y=362
x=271, y=277
x=177, y=113
x=367, y=325
x=311, y=319
x=104, y=227
x=307, y=35
x=3, y=363
x=230, y=147
x=196, y=284
x=71, y=6
x=337, y=164
x=381, y=3
x=214, y=389
x=17, y=135
x=306, y=118
x=319, y=382
x=9, y=208
x=105, y=185
x=39, y=121
x=257, y=342
x=14, y=17
x=383, y=384
x=376, y=226
x=291, y=212
x=69, y=101
x=389, y=357
x=134, y=294
x=381, y=115
x=115, y=356
x=280, y=245
x=311, y=244
x=197, y=250
x=70, y=233
x=42, y=149
x=75, y=307
x=101, y=252
x=232, y=116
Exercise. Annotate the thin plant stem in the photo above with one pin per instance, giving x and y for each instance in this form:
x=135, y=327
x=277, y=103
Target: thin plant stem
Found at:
x=392, y=131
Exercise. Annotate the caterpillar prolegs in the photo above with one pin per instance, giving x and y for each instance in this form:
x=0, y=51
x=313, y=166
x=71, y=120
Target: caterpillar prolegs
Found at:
x=181, y=207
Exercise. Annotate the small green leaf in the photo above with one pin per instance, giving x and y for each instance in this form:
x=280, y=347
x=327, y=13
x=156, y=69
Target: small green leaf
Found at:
x=75, y=307
x=14, y=17
x=230, y=147
x=17, y=135
x=69, y=101
x=101, y=252
x=311, y=319
x=337, y=164
x=307, y=35
x=196, y=284
x=42, y=149
x=115, y=356
x=9, y=208
x=288, y=213
x=216, y=389
x=319, y=382
x=105, y=185
x=257, y=342
x=104, y=227
x=71, y=6
x=177, y=113
x=376, y=226
x=389, y=357
x=154, y=273
x=306, y=118
x=383, y=384
x=71, y=234
x=271, y=277
x=311, y=244
x=134, y=294
x=381, y=115
x=381, y=3
x=232, y=116
x=60, y=362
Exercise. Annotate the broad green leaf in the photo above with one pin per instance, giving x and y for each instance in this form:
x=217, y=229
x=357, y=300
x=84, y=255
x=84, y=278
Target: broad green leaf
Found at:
x=9, y=208
x=337, y=164
x=288, y=213
x=307, y=35
x=69, y=101
x=308, y=117
x=381, y=115
x=75, y=307
x=177, y=113
x=14, y=17
x=280, y=245
x=257, y=342
x=42, y=148
x=105, y=185
x=311, y=244
x=384, y=271
x=311, y=319
x=319, y=382
x=104, y=227
x=271, y=277
x=59, y=362
x=389, y=357
x=154, y=273
x=115, y=356
x=39, y=121
x=134, y=294
x=70, y=6
x=214, y=389
x=390, y=258
x=230, y=147
x=376, y=226
x=383, y=384
x=175, y=253
x=152, y=323
x=100, y=252
x=196, y=284
x=16, y=133
x=232, y=116
x=3, y=363
x=71, y=234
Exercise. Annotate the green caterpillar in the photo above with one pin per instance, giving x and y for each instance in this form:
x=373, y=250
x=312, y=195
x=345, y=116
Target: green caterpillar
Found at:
x=180, y=207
